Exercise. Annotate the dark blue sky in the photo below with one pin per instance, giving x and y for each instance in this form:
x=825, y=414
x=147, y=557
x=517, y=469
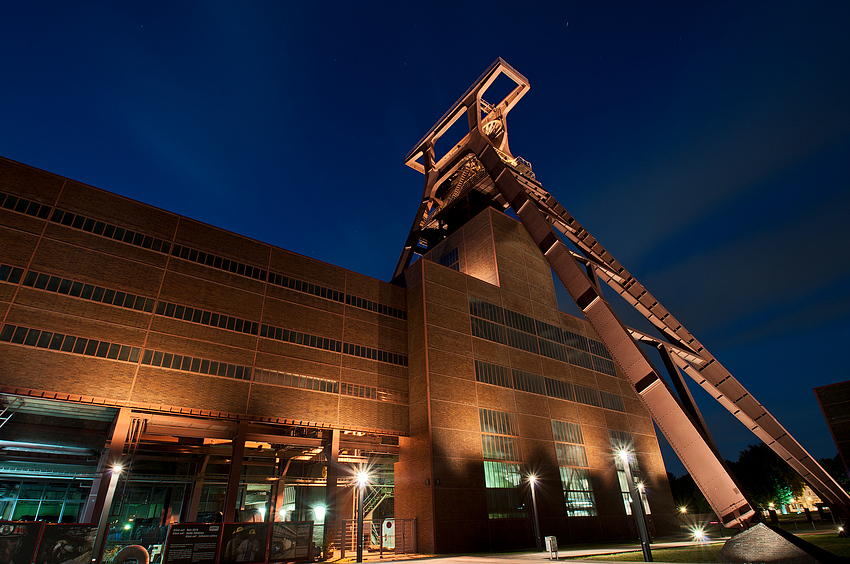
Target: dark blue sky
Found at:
x=706, y=145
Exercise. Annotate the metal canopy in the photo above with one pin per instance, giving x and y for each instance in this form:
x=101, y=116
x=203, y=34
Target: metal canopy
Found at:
x=481, y=163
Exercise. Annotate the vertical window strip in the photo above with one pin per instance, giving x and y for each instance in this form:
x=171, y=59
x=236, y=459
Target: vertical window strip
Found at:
x=528, y=382
x=559, y=389
x=587, y=396
x=603, y=365
x=521, y=340
x=578, y=492
x=571, y=455
x=567, y=432
x=497, y=422
x=612, y=401
x=492, y=374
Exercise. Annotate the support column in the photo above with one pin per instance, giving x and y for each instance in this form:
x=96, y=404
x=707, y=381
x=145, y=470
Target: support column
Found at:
x=279, y=489
x=100, y=486
x=235, y=473
x=108, y=480
x=332, y=519
x=190, y=512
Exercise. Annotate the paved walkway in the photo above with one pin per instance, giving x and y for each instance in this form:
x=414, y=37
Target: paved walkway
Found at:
x=526, y=557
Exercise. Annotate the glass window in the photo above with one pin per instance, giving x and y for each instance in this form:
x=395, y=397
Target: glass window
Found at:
x=578, y=492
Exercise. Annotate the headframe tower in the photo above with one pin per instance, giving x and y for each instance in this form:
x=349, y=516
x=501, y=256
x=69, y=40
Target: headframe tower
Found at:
x=481, y=171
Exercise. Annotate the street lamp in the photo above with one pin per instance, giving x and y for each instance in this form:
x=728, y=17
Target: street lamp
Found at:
x=532, y=480
x=362, y=480
x=637, y=506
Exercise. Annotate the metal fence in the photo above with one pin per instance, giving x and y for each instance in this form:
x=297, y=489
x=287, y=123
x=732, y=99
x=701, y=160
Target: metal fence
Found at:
x=386, y=536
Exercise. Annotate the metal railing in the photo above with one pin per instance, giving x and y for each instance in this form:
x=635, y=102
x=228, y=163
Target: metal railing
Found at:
x=385, y=536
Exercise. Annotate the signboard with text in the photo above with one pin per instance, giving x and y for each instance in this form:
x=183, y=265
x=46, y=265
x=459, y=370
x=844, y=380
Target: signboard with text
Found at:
x=192, y=543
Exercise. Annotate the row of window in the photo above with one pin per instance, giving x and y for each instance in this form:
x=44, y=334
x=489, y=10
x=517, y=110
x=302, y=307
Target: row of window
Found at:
x=497, y=375
x=110, y=231
x=507, y=327
x=498, y=422
x=103, y=229
x=196, y=365
x=333, y=345
x=103, y=349
x=503, y=471
x=373, y=393
x=11, y=274
x=195, y=315
x=290, y=380
x=218, y=262
x=87, y=291
x=22, y=205
x=67, y=343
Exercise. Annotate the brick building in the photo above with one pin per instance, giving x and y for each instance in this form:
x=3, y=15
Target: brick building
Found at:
x=237, y=380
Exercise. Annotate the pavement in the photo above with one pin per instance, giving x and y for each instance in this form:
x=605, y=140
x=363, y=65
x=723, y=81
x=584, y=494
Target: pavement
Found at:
x=565, y=553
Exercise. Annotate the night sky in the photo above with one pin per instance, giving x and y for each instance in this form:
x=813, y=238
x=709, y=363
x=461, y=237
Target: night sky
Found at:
x=706, y=145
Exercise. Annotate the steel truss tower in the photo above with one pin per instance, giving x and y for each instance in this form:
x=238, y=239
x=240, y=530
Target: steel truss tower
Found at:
x=480, y=171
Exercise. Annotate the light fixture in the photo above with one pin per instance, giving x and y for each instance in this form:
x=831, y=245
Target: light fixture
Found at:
x=319, y=512
x=683, y=509
x=698, y=534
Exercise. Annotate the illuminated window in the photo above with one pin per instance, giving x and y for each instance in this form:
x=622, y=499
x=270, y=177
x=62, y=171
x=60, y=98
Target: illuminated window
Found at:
x=502, y=472
x=622, y=441
x=575, y=478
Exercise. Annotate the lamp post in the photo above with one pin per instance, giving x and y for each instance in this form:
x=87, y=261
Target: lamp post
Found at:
x=637, y=506
x=532, y=480
x=362, y=478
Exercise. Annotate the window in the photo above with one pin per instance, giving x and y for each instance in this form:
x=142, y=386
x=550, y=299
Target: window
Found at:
x=502, y=472
x=572, y=461
x=450, y=260
x=578, y=492
x=623, y=441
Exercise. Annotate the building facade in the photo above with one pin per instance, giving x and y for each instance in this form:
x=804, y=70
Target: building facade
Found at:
x=236, y=380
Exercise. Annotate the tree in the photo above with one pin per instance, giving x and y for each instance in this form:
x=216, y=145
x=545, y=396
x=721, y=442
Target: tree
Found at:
x=835, y=467
x=687, y=494
x=765, y=477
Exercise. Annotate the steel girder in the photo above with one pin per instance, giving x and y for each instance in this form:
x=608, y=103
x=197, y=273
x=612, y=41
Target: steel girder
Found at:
x=510, y=184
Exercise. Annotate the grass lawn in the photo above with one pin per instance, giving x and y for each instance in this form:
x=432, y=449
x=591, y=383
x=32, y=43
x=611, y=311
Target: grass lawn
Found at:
x=708, y=552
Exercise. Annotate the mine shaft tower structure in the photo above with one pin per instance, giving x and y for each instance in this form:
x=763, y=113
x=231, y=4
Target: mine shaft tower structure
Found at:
x=480, y=171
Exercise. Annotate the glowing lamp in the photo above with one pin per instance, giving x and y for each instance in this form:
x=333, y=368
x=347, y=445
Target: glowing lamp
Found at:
x=319, y=512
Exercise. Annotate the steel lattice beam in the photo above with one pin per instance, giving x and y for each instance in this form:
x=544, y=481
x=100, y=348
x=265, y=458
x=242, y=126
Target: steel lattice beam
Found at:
x=482, y=162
